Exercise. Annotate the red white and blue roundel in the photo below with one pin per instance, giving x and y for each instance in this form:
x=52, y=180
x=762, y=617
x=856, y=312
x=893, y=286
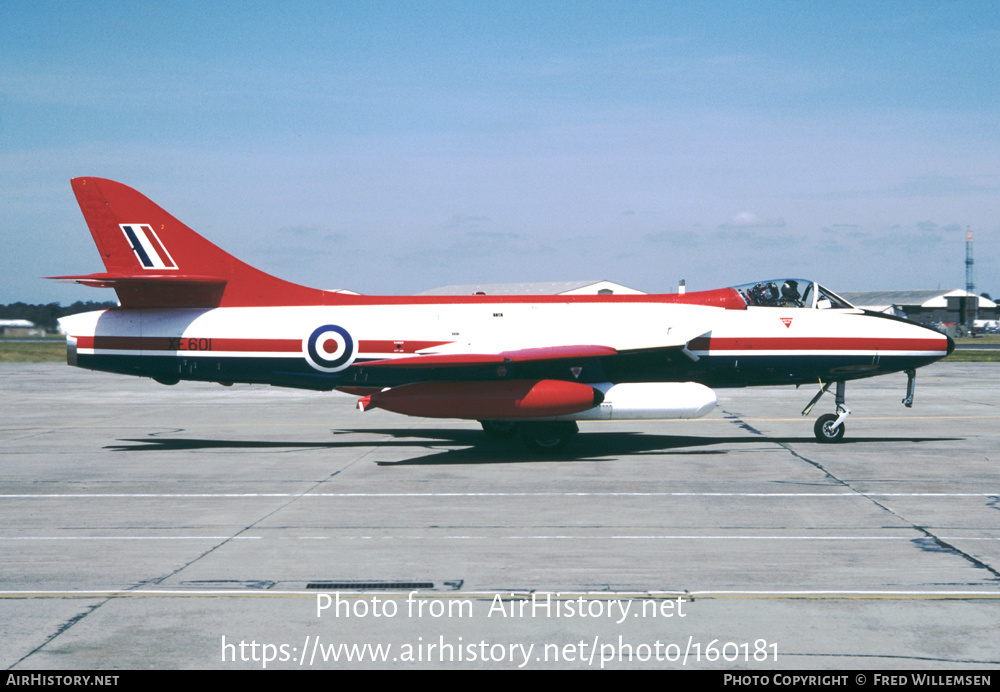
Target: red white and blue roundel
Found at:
x=329, y=348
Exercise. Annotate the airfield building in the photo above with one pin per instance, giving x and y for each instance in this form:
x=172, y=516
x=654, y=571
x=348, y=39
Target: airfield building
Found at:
x=926, y=306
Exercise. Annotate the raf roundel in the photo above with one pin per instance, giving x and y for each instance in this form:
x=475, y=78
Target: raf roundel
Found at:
x=329, y=348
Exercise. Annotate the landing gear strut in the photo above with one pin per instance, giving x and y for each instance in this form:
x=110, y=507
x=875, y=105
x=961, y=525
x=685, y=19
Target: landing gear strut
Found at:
x=830, y=426
x=911, y=376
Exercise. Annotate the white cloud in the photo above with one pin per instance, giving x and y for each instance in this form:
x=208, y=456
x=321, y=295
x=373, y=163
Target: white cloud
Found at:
x=748, y=219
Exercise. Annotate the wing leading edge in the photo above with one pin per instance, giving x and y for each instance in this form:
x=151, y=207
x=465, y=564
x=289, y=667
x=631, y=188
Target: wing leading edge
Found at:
x=524, y=355
x=453, y=358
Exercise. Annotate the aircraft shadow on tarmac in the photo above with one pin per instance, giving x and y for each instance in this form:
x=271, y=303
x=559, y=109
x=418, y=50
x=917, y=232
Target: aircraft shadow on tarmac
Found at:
x=457, y=446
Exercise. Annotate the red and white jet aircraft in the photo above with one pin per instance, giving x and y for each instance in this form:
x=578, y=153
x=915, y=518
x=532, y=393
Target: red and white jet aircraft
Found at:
x=533, y=365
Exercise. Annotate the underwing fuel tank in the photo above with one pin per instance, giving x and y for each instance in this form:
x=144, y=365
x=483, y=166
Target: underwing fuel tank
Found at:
x=547, y=400
x=650, y=400
x=487, y=400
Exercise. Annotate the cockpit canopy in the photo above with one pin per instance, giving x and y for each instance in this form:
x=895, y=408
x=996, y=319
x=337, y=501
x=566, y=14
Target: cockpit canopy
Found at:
x=790, y=293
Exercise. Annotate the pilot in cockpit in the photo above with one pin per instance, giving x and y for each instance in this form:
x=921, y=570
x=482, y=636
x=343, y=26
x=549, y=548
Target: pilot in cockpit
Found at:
x=790, y=294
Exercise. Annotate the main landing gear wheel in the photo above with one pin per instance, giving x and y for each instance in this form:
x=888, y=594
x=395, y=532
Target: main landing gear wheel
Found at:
x=825, y=432
x=547, y=437
x=499, y=429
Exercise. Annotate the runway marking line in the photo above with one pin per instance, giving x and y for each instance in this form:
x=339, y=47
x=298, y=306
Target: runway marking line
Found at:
x=173, y=496
x=552, y=537
x=516, y=594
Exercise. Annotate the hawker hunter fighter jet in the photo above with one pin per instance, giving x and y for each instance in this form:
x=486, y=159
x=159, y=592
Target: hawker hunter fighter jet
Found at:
x=526, y=365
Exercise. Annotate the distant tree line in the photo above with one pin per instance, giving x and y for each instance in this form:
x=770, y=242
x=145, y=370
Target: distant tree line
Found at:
x=45, y=316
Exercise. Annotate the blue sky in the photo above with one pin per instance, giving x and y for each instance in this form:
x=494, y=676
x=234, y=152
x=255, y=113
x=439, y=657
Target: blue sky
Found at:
x=394, y=147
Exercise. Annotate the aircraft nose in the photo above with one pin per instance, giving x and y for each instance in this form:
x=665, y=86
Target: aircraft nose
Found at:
x=948, y=340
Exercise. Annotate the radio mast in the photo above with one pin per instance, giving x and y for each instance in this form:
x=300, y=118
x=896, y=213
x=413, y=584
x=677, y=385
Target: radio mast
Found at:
x=972, y=300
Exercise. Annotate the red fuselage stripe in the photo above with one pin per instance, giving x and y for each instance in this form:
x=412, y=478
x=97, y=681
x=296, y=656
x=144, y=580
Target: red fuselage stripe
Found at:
x=820, y=343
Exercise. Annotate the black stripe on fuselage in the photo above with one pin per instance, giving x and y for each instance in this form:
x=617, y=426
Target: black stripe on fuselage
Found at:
x=713, y=371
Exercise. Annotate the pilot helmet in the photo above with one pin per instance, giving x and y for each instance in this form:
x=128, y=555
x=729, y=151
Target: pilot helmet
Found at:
x=790, y=290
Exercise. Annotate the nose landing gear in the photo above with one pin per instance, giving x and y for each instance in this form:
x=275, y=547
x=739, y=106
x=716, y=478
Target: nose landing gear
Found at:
x=830, y=426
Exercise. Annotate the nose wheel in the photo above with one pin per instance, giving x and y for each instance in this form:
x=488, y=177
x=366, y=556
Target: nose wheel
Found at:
x=827, y=430
x=830, y=426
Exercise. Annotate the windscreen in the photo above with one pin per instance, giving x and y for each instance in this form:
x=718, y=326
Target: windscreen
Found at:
x=790, y=293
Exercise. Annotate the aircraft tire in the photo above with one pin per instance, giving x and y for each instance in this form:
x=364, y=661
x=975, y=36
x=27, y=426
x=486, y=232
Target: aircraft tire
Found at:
x=824, y=429
x=499, y=429
x=547, y=437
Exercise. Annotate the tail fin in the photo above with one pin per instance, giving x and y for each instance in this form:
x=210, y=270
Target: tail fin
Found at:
x=153, y=260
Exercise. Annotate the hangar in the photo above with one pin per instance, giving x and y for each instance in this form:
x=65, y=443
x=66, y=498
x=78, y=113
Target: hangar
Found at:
x=929, y=306
x=19, y=328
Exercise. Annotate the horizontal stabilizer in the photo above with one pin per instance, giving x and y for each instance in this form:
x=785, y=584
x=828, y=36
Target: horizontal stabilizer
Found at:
x=106, y=280
x=171, y=291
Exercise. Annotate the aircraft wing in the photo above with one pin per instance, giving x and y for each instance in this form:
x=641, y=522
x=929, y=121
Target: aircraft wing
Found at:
x=450, y=357
x=523, y=355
